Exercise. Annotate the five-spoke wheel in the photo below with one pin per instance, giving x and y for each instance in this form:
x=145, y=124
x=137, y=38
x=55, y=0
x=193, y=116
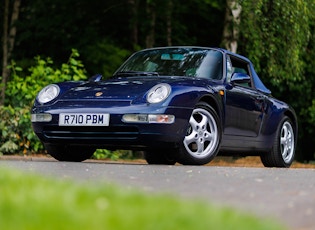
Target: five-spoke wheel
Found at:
x=283, y=150
x=202, y=141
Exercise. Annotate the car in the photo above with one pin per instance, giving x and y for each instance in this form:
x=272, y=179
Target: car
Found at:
x=177, y=104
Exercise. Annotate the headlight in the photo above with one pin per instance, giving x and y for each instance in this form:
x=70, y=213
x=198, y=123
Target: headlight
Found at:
x=158, y=93
x=48, y=93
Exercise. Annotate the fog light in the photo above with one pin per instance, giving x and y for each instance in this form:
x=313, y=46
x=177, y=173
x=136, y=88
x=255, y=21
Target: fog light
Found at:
x=135, y=118
x=41, y=117
x=148, y=118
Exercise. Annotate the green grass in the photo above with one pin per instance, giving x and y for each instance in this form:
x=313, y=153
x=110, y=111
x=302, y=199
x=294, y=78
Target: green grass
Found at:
x=35, y=202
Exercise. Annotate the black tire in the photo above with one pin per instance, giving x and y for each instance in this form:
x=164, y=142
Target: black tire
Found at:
x=159, y=157
x=283, y=150
x=69, y=153
x=202, y=141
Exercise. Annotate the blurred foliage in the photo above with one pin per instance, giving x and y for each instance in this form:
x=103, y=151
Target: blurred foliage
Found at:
x=31, y=201
x=105, y=57
x=278, y=38
x=274, y=36
x=113, y=155
x=16, y=131
x=17, y=135
x=277, y=35
x=22, y=90
x=52, y=28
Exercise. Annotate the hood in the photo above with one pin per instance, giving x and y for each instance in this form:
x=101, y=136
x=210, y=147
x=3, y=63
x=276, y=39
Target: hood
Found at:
x=113, y=89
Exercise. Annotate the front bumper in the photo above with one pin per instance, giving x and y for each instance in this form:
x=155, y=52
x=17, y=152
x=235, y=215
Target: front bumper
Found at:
x=118, y=134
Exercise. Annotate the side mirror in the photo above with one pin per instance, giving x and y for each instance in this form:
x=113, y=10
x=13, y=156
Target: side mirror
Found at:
x=96, y=78
x=240, y=78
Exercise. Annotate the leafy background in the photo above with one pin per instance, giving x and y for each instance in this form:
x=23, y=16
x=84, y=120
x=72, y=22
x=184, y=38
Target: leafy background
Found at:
x=71, y=40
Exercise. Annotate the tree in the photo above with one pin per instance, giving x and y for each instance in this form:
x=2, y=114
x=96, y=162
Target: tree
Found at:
x=9, y=33
x=169, y=10
x=275, y=36
x=307, y=109
x=151, y=20
x=133, y=4
x=231, y=25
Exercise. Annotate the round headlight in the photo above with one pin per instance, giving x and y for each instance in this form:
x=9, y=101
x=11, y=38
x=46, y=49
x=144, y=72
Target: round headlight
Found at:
x=158, y=93
x=48, y=93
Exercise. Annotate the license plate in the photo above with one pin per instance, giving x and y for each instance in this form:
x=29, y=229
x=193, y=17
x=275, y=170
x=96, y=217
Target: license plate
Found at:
x=83, y=119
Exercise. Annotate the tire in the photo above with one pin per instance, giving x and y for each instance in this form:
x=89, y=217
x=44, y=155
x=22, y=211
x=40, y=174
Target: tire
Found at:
x=202, y=141
x=159, y=157
x=283, y=150
x=69, y=153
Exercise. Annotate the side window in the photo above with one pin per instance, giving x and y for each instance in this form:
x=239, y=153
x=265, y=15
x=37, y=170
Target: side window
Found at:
x=229, y=69
x=240, y=66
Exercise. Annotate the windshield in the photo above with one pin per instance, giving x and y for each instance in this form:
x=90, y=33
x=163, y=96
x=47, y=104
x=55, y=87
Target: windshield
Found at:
x=191, y=62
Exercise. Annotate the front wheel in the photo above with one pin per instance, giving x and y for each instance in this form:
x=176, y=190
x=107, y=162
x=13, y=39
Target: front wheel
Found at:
x=283, y=150
x=69, y=153
x=202, y=141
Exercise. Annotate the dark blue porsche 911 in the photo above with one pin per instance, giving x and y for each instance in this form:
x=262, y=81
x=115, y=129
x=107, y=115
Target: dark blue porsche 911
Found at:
x=177, y=104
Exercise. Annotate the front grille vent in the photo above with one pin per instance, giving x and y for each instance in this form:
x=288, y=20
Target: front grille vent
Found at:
x=96, y=133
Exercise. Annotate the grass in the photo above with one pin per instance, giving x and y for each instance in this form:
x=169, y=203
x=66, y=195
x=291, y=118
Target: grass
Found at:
x=29, y=201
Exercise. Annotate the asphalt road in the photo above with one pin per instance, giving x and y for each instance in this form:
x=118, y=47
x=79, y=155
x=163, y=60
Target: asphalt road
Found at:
x=287, y=195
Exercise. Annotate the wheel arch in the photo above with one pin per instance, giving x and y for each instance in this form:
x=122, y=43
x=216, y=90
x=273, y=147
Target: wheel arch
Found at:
x=210, y=100
x=291, y=115
x=282, y=156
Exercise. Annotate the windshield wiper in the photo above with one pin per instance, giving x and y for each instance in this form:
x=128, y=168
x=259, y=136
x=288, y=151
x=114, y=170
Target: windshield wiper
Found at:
x=138, y=73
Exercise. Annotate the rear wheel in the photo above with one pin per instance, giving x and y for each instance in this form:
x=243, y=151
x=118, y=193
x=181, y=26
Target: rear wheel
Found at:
x=69, y=153
x=283, y=150
x=159, y=157
x=202, y=141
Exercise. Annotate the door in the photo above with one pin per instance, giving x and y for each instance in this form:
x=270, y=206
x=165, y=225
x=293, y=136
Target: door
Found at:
x=244, y=111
